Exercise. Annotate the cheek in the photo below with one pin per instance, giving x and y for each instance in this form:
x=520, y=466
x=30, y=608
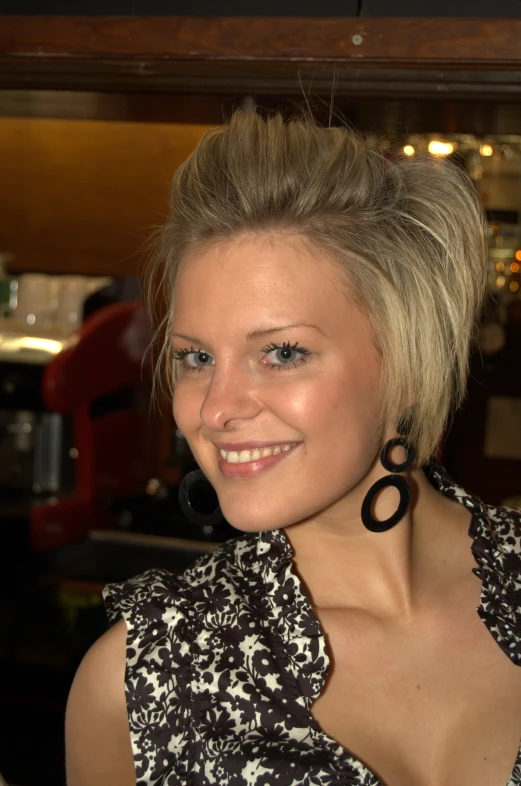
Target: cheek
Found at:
x=310, y=410
x=341, y=415
x=322, y=402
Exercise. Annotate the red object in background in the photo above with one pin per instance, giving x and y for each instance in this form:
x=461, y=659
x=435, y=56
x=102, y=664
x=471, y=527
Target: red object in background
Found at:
x=107, y=354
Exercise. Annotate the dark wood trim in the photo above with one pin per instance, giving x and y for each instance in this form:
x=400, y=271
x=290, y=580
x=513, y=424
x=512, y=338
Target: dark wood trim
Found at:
x=476, y=42
x=233, y=57
x=259, y=78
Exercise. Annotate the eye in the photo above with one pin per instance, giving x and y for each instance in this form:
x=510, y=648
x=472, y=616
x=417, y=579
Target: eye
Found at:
x=193, y=359
x=286, y=355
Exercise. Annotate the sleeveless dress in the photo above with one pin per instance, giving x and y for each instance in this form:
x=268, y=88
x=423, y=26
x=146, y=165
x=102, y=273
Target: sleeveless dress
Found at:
x=225, y=661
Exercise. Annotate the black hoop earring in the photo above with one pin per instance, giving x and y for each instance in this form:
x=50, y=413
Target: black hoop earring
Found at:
x=399, y=482
x=198, y=501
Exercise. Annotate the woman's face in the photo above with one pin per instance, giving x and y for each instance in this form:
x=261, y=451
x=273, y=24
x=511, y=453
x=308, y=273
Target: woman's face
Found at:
x=278, y=391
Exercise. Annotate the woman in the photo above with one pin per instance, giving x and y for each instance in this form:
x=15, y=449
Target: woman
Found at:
x=323, y=302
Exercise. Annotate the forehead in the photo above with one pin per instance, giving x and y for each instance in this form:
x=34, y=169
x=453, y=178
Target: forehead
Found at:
x=264, y=275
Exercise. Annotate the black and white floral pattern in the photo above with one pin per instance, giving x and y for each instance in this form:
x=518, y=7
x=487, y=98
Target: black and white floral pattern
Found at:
x=225, y=661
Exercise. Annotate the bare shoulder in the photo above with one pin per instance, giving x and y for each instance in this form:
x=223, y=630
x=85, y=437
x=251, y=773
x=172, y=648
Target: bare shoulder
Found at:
x=97, y=736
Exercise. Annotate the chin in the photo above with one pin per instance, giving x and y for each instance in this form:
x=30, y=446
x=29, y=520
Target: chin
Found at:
x=250, y=518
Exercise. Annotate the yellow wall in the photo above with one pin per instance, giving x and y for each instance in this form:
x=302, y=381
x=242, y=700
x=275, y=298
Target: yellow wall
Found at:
x=81, y=196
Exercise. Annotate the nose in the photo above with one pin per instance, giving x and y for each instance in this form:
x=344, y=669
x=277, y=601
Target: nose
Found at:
x=230, y=397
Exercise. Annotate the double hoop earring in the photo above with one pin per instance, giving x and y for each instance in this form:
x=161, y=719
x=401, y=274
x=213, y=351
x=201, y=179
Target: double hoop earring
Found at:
x=399, y=482
x=198, y=501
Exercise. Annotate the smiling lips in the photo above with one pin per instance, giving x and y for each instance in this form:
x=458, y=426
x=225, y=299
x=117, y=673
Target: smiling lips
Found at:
x=247, y=462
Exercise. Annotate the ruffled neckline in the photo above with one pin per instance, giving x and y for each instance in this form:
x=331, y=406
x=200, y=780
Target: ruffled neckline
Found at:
x=498, y=566
x=280, y=591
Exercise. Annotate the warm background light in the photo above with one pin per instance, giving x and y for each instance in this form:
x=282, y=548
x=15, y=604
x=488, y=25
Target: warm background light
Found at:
x=486, y=150
x=438, y=148
x=409, y=150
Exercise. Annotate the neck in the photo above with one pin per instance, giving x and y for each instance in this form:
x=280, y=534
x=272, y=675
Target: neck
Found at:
x=343, y=565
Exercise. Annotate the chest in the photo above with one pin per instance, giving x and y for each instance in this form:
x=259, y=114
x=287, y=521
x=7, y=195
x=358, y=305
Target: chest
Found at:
x=436, y=705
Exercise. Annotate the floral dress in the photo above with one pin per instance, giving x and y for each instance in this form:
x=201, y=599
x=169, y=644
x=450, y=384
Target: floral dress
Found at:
x=225, y=661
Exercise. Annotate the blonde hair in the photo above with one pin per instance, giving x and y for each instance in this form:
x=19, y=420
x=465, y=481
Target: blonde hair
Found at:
x=408, y=232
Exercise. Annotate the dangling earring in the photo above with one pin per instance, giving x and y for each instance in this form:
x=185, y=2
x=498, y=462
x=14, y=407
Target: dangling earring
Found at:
x=198, y=501
x=397, y=481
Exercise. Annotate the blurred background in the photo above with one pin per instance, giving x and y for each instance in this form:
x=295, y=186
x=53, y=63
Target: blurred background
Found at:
x=99, y=103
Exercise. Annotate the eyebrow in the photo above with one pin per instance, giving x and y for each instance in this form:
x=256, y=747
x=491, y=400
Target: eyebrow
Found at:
x=254, y=334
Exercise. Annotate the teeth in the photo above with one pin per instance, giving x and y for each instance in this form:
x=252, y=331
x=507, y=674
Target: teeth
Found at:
x=242, y=457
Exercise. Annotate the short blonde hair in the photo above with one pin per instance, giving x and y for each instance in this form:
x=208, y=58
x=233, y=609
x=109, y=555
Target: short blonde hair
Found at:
x=408, y=232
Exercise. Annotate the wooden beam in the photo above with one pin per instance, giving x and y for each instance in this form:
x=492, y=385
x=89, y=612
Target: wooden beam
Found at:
x=493, y=42
x=232, y=57
x=233, y=80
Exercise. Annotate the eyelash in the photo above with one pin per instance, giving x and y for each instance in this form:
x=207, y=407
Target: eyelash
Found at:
x=181, y=354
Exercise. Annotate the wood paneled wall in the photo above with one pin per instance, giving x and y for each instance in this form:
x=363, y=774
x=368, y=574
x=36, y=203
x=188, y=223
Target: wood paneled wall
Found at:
x=83, y=196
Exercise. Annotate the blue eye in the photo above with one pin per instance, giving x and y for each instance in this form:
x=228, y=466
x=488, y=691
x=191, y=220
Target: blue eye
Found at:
x=201, y=358
x=286, y=355
x=193, y=359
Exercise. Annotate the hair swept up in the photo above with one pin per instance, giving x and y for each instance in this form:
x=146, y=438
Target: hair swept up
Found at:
x=409, y=233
